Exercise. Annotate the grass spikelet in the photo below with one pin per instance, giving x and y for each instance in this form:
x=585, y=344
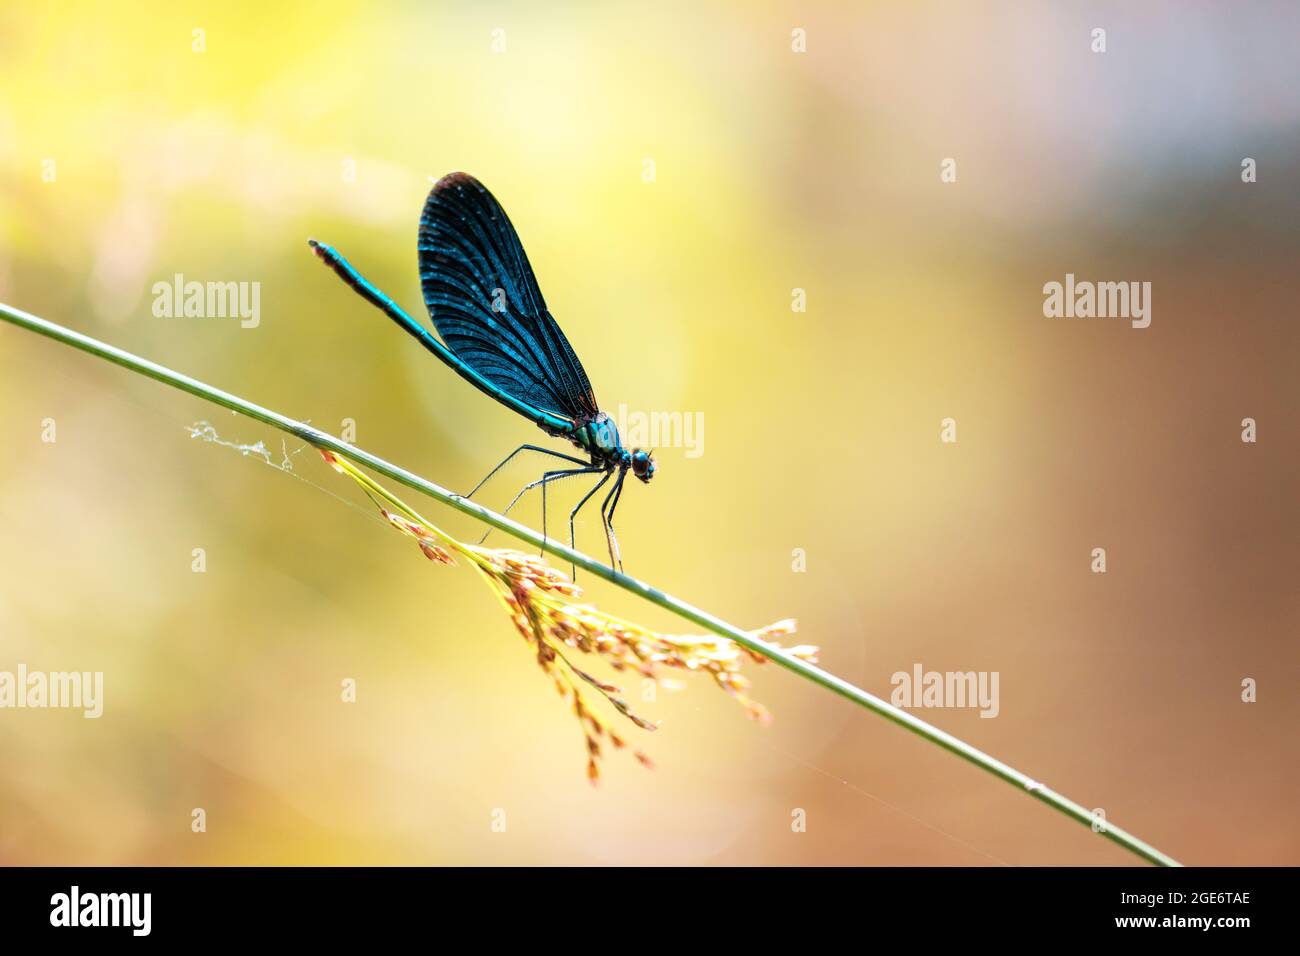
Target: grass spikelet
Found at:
x=543, y=604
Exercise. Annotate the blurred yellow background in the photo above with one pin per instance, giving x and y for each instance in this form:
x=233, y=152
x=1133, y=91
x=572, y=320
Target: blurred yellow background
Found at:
x=773, y=171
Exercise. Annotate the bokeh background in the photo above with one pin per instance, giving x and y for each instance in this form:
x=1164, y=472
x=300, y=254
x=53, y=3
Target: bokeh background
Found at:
x=774, y=170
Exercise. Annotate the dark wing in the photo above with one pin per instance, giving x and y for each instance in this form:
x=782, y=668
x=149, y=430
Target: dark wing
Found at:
x=485, y=303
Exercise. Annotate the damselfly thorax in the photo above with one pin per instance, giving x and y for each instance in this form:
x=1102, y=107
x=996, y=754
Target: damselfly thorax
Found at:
x=599, y=438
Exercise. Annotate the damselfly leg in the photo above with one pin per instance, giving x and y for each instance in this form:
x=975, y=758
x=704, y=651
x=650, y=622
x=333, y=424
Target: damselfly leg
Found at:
x=542, y=482
x=522, y=448
x=573, y=572
x=550, y=476
x=607, y=519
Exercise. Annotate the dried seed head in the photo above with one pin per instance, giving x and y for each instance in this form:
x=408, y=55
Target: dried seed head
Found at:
x=436, y=552
x=541, y=603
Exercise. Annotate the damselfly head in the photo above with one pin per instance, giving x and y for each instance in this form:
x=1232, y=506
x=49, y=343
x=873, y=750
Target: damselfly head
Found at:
x=643, y=464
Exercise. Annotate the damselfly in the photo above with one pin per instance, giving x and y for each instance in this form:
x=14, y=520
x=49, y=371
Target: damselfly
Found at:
x=498, y=335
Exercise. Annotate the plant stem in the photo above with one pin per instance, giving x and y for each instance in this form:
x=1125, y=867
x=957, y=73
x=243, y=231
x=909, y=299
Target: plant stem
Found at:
x=705, y=620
